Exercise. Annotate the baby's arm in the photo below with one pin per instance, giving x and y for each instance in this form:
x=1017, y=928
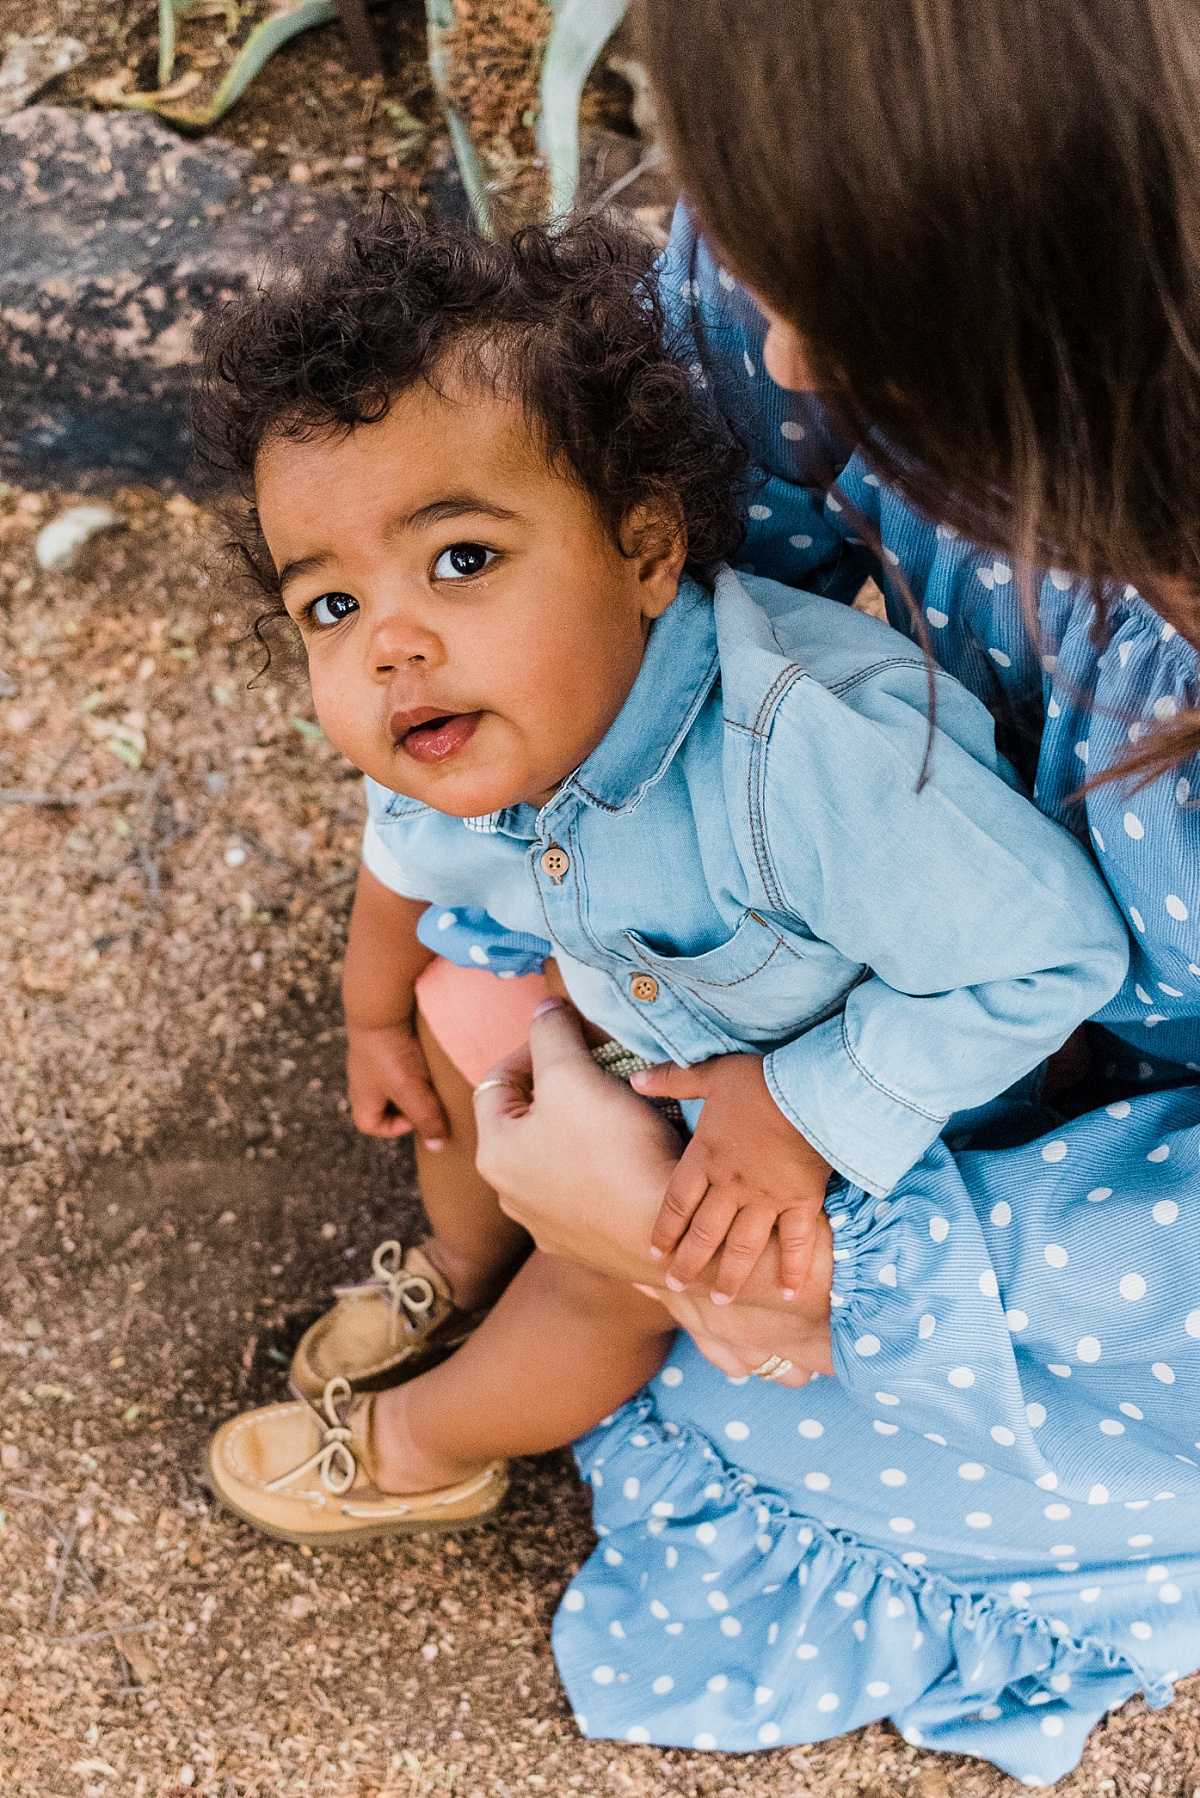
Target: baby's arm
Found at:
x=986, y=931
x=390, y=1089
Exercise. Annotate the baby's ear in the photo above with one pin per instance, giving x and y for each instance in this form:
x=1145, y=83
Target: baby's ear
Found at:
x=654, y=536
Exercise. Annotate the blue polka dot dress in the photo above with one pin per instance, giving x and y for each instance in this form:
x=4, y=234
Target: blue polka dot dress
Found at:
x=986, y=1527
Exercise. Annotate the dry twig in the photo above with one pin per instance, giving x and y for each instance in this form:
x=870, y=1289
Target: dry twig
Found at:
x=107, y=1635
x=68, y=1549
x=86, y=796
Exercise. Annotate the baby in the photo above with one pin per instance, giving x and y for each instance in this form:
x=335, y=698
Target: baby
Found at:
x=498, y=511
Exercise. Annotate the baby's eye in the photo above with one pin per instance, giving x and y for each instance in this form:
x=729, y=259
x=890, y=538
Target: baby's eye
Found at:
x=461, y=560
x=331, y=608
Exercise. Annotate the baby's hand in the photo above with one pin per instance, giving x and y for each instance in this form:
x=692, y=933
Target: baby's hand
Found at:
x=391, y=1092
x=746, y=1172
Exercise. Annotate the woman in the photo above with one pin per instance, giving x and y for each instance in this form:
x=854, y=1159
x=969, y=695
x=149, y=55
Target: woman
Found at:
x=974, y=229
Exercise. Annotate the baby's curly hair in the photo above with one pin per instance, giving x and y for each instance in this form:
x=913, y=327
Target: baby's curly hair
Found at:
x=568, y=322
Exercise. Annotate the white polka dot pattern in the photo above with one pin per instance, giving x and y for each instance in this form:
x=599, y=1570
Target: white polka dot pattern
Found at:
x=1015, y=1342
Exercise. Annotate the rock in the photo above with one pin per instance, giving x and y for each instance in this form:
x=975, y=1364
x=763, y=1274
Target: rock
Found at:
x=31, y=63
x=59, y=541
x=116, y=236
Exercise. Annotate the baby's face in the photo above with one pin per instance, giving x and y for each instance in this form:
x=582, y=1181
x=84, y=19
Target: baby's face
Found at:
x=472, y=630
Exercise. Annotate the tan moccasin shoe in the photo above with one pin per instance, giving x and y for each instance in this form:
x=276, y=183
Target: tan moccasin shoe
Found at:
x=398, y=1323
x=307, y=1476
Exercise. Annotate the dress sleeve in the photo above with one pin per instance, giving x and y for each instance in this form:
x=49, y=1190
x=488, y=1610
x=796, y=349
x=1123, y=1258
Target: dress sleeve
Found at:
x=718, y=328
x=985, y=931
x=1001, y=1303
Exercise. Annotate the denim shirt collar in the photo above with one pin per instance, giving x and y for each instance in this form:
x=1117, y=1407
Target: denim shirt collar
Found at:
x=674, y=681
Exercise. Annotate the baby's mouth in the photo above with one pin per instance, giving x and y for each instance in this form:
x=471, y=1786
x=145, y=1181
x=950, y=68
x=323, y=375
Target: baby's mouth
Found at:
x=431, y=736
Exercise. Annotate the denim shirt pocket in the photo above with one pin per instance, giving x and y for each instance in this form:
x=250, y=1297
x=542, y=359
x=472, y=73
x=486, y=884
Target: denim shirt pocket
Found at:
x=759, y=987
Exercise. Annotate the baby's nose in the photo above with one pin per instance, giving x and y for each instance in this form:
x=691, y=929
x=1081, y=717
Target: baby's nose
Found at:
x=399, y=642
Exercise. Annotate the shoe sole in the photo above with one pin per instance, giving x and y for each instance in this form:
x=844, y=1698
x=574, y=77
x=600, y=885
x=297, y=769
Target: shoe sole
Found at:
x=353, y=1537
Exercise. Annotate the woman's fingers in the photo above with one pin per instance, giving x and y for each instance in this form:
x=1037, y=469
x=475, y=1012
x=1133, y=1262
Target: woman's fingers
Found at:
x=748, y=1236
x=797, y=1228
x=505, y=1090
x=705, y=1234
x=556, y=1041
x=728, y=1360
x=687, y=1187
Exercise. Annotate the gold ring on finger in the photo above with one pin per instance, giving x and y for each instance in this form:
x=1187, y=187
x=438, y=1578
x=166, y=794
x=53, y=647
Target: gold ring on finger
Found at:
x=773, y=1368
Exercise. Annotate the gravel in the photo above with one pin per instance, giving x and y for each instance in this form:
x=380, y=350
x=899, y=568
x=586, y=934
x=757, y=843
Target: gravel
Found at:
x=181, y=1187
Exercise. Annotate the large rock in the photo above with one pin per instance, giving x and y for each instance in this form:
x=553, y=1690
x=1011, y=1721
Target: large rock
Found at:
x=115, y=236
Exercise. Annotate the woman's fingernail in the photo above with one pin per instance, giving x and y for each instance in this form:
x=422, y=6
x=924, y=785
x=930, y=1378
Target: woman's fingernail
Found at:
x=434, y=1142
x=655, y=1254
x=788, y=1292
x=638, y=1080
x=546, y=1005
x=673, y=1284
x=721, y=1298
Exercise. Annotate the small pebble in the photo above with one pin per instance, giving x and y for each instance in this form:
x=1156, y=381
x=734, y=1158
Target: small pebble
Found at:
x=60, y=541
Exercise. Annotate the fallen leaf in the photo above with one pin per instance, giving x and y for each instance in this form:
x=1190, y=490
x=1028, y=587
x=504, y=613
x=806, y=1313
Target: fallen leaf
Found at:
x=112, y=89
x=141, y=1661
x=44, y=980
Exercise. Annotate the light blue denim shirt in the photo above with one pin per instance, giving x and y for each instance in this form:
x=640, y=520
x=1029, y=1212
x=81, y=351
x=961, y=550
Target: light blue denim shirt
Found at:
x=745, y=862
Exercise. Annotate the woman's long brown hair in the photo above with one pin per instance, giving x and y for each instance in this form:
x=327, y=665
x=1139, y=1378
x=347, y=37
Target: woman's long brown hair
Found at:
x=983, y=216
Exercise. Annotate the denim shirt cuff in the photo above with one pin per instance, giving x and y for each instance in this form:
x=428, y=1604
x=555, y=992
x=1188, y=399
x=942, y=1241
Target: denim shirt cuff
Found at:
x=868, y=1133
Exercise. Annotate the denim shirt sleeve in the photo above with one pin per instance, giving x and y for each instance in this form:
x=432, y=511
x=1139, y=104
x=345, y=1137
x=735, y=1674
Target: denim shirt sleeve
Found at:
x=382, y=861
x=986, y=931
x=952, y=1315
x=718, y=328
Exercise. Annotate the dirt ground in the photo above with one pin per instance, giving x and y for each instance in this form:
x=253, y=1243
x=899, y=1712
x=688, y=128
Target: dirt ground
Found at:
x=181, y=1187
x=308, y=118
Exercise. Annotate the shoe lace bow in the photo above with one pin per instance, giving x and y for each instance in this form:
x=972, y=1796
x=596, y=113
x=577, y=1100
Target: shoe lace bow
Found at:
x=408, y=1292
x=333, y=1461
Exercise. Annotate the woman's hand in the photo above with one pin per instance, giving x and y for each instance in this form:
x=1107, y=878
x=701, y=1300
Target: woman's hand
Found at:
x=584, y=1167
x=740, y=1338
x=583, y=1164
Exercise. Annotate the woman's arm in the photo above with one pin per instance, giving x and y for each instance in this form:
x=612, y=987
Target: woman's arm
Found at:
x=584, y=1165
x=950, y=1316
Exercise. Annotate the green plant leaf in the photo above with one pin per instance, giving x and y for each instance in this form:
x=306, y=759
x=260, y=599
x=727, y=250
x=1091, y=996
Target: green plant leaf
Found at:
x=439, y=19
x=262, y=43
x=581, y=30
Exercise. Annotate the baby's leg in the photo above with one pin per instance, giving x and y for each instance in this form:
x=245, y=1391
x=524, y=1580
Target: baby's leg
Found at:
x=561, y=1348
x=473, y=1246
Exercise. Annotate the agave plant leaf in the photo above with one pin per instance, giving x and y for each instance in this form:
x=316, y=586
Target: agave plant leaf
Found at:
x=286, y=18
x=439, y=19
x=581, y=30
